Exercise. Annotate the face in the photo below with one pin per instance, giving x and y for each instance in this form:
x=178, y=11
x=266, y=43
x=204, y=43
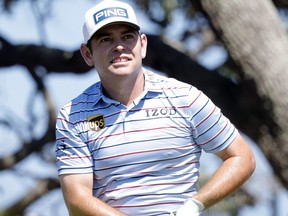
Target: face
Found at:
x=116, y=50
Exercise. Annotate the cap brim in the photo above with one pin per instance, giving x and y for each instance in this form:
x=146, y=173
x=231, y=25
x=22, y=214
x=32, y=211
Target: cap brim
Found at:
x=136, y=27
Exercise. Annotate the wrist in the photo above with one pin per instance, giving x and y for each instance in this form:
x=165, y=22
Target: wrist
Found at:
x=190, y=207
x=199, y=204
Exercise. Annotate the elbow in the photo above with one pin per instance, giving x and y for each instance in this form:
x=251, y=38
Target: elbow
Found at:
x=251, y=164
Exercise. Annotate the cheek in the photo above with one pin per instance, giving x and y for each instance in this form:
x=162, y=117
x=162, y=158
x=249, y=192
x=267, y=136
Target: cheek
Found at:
x=99, y=58
x=101, y=63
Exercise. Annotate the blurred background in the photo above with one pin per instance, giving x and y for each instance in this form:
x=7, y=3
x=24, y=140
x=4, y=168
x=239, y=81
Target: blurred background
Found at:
x=234, y=51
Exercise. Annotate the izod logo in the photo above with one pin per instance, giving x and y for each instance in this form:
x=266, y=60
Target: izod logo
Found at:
x=96, y=122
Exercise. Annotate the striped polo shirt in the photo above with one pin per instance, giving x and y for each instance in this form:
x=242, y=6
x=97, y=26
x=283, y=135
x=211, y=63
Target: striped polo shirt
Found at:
x=145, y=157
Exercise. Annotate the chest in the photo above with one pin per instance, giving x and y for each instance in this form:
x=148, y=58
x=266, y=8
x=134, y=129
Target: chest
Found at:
x=139, y=140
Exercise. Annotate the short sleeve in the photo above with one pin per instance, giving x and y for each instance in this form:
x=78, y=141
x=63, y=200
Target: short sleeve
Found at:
x=72, y=153
x=212, y=131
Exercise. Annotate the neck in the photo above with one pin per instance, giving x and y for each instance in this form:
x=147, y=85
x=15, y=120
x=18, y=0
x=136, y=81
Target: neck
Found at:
x=125, y=90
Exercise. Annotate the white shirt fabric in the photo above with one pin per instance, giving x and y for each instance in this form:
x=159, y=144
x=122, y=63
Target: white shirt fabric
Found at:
x=145, y=157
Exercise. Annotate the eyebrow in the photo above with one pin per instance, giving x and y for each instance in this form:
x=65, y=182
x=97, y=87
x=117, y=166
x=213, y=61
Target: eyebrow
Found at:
x=107, y=33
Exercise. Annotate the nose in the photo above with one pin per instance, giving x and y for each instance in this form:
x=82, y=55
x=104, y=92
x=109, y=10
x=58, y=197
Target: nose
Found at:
x=118, y=45
x=119, y=48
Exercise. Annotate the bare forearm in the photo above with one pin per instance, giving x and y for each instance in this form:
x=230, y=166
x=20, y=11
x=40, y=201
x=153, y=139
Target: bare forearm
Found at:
x=77, y=192
x=226, y=180
x=90, y=207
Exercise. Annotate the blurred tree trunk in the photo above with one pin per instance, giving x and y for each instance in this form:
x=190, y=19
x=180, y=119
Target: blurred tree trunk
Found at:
x=252, y=33
x=256, y=40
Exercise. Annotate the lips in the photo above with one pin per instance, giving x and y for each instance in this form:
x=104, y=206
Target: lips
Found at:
x=120, y=59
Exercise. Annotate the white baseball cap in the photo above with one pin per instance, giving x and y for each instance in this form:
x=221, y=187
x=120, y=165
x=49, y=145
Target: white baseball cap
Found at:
x=105, y=13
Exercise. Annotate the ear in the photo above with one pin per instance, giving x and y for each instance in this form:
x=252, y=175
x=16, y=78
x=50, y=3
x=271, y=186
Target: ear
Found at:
x=144, y=43
x=86, y=54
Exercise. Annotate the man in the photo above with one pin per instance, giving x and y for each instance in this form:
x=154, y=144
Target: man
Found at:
x=131, y=143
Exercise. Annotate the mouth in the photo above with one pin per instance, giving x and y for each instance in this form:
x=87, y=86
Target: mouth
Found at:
x=120, y=59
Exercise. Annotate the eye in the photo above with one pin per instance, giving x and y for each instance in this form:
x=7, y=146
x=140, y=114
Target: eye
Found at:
x=104, y=40
x=128, y=36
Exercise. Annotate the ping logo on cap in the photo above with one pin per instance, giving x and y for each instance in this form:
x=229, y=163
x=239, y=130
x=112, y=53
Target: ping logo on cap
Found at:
x=110, y=12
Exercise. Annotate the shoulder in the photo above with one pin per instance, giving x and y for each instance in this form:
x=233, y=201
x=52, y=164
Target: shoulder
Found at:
x=85, y=99
x=164, y=83
x=173, y=86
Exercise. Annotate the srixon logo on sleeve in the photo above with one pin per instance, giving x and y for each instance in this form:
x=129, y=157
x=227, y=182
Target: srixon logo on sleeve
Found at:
x=110, y=12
